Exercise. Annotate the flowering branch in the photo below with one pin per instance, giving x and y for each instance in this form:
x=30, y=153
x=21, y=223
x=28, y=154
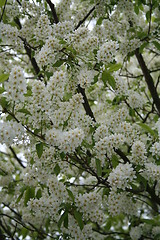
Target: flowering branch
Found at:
x=28, y=130
x=29, y=52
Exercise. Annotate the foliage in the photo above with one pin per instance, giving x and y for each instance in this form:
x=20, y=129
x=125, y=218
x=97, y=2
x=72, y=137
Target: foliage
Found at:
x=79, y=127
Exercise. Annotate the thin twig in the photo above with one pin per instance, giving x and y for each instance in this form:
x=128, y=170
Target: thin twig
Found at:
x=86, y=16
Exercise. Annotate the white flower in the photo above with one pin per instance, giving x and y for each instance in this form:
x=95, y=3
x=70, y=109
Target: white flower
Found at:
x=135, y=232
x=121, y=176
x=138, y=153
x=107, y=52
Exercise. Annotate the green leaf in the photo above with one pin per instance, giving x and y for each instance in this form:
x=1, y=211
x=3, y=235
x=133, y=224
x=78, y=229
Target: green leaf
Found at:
x=107, y=77
x=148, y=129
x=19, y=198
x=78, y=217
x=95, y=79
x=145, y=44
x=99, y=168
x=29, y=92
x=62, y=218
x=70, y=194
x=39, y=148
x=156, y=44
x=62, y=42
x=39, y=194
x=24, y=232
x=2, y=90
x=99, y=21
x=131, y=112
x=157, y=237
x=23, y=110
x=136, y=9
x=57, y=169
x=115, y=161
x=148, y=16
x=58, y=63
x=29, y=193
x=149, y=221
x=3, y=102
x=4, y=77
x=142, y=180
x=66, y=221
x=115, y=67
x=2, y=2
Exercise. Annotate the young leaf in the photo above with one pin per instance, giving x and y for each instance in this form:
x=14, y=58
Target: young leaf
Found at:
x=78, y=217
x=4, y=77
x=2, y=2
x=23, y=110
x=57, y=169
x=2, y=90
x=70, y=194
x=30, y=193
x=148, y=129
x=62, y=218
x=115, y=67
x=107, y=77
x=3, y=102
x=39, y=194
x=39, y=149
x=156, y=44
x=99, y=168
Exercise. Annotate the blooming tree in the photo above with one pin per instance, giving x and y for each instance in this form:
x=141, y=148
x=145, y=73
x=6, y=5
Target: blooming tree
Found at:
x=79, y=128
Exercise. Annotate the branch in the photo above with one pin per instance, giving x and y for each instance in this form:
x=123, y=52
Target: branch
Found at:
x=122, y=155
x=52, y=7
x=86, y=103
x=29, y=51
x=148, y=79
x=28, y=130
x=17, y=158
x=87, y=15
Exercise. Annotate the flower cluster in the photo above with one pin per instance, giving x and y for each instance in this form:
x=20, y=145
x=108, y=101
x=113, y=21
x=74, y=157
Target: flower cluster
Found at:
x=85, y=77
x=138, y=153
x=155, y=149
x=43, y=29
x=152, y=172
x=121, y=203
x=107, y=145
x=85, y=203
x=67, y=141
x=107, y=51
x=16, y=85
x=121, y=176
x=10, y=132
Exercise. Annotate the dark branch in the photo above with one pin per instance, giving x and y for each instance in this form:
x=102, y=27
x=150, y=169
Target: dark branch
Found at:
x=17, y=158
x=52, y=7
x=87, y=15
x=86, y=104
x=148, y=79
x=122, y=155
x=29, y=52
